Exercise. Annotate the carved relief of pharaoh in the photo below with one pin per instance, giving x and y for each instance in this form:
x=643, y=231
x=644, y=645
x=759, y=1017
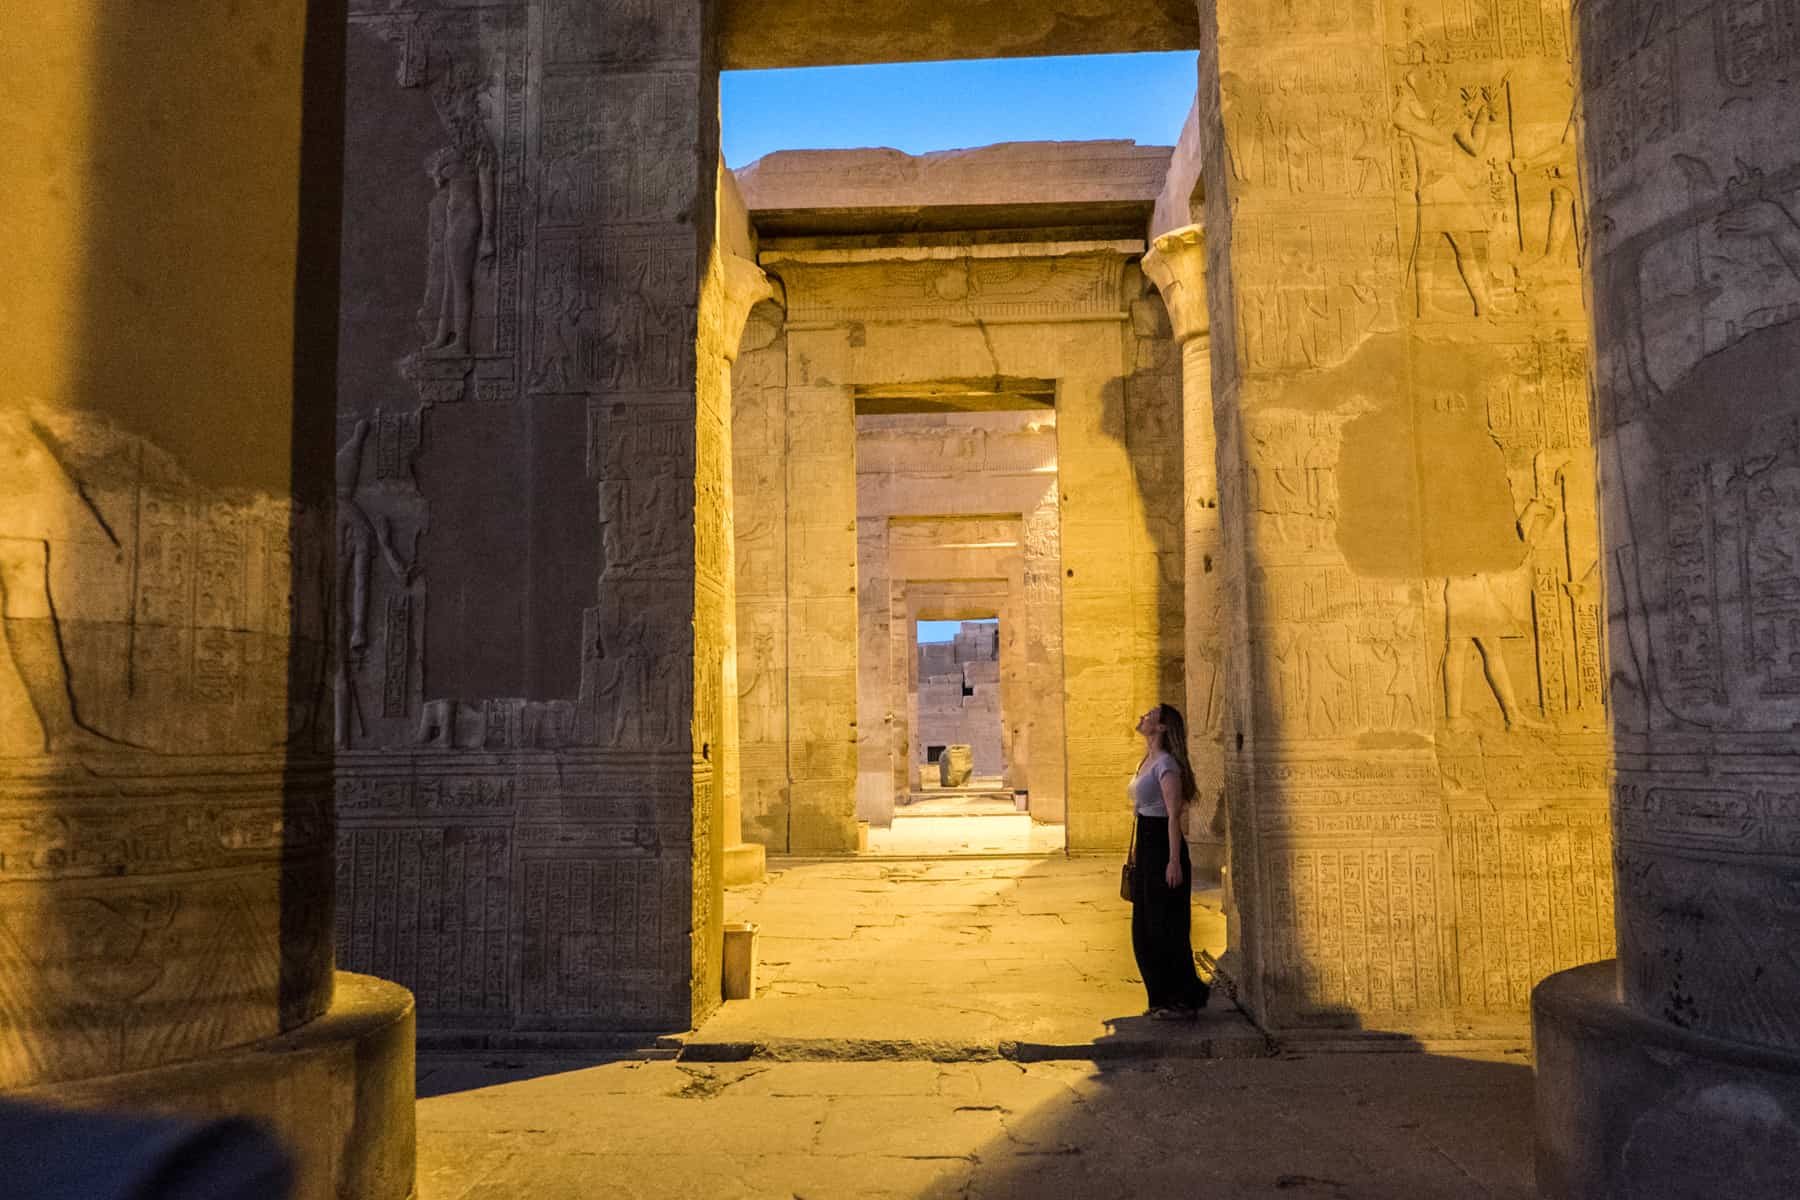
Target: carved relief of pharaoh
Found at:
x=1448, y=140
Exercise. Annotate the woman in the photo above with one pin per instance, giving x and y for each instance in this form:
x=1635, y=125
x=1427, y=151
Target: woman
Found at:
x=1163, y=878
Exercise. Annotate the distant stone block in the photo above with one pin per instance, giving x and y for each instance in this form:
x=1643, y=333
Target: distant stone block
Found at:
x=956, y=766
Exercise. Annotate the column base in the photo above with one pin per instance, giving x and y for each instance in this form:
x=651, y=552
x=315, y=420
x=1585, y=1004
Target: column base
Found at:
x=1630, y=1108
x=338, y=1091
x=744, y=864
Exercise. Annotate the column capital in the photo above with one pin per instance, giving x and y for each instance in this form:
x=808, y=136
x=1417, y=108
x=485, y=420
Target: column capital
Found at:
x=746, y=286
x=1176, y=264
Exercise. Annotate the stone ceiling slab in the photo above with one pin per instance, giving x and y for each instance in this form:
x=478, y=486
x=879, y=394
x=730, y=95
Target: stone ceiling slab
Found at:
x=818, y=33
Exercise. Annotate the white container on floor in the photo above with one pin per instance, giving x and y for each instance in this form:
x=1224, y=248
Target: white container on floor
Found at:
x=739, y=974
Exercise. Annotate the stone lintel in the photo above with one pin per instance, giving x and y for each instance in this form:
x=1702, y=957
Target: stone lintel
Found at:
x=1003, y=175
x=757, y=34
x=887, y=254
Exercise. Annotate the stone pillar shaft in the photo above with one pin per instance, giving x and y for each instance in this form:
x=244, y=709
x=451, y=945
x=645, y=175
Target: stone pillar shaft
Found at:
x=1418, y=773
x=165, y=534
x=1678, y=1074
x=175, y=583
x=533, y=429
x=1177, y=265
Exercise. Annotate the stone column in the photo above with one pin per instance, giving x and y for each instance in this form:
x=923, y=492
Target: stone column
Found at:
x=759, y=532
x=166, y=549
x=533, y=430
x=1176, y=263
x=1416, y=726
x=1676, y=1071
x=745, y=287
x=822, y=602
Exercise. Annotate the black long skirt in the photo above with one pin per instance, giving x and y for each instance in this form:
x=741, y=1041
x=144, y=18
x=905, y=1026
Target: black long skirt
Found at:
x=1160, y=920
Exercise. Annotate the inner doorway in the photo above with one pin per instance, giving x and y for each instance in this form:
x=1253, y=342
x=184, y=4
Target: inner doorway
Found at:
x=960, y=797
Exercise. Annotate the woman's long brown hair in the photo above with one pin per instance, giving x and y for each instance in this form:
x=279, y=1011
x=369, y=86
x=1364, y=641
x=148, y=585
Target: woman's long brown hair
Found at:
x=1175, y=742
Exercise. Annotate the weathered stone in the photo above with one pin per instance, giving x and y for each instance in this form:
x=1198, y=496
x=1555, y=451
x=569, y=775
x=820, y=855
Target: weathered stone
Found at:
x=1415, y=704
x=1681, y=1067
x=816, y=33
x=178, y=589
x=956, y=766
x=531, y=730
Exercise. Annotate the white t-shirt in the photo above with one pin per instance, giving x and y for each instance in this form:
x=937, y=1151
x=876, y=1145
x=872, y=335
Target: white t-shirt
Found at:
x=1146, y=785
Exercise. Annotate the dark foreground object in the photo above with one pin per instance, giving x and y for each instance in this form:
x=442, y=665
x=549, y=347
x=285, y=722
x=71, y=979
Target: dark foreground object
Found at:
x=56, y=1154
x=1630, y=1108
x=337, y=1092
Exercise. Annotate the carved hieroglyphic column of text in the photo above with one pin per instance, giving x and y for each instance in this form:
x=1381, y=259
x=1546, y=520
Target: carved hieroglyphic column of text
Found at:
x=1177, y=265
x=1418, y=743
x=166, y=554
x=1679, y=1074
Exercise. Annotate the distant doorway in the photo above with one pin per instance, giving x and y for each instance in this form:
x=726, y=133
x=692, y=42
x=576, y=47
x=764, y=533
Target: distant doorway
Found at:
x=957, y=725
x=959, y=794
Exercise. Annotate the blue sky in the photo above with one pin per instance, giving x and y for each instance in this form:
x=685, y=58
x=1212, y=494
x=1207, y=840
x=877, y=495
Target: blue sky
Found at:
x=943, y=631
x=917, y=107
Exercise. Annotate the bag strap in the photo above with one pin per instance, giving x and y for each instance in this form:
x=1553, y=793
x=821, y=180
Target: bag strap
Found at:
x=1131, y=847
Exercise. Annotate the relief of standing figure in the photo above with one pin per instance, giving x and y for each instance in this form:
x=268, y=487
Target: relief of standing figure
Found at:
x=1445, y=143
x=462, y=235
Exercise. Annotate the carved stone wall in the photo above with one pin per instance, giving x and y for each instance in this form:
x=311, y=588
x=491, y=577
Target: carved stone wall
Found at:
x=1690, y=136
x=1418, y=739
x=531, y=500
x=165, y=515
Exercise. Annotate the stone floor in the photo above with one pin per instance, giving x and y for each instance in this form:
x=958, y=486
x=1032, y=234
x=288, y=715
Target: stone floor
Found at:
x=1330, y=1127
x=932, y=830
x=968, y=1028
x=950, y=958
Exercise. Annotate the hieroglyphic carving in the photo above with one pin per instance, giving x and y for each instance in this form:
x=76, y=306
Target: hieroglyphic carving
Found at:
x=1347, y=654
x=595, y=939
x=619, y=31
x=1631, y=86
x=471, y=63
x=1315, y=288
x=1356, y=928
x=583, y=119
x=1047, y=287
x=359, y=539
x=1755, y=40
x=428, y=907
x=209, y=593
x=1311, y=128
x=1533, y=896
x=615, y=312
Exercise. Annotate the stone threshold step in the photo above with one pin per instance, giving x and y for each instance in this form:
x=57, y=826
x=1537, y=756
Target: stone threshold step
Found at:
x=1181, y=1044
x=1375, y=1041
x=601, y=1045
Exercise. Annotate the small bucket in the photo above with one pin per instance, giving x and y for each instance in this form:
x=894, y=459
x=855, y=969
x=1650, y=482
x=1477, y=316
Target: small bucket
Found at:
x=739, y=975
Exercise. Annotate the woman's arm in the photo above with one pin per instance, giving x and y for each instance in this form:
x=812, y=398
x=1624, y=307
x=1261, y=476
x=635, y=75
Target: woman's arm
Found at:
x=1171, y=791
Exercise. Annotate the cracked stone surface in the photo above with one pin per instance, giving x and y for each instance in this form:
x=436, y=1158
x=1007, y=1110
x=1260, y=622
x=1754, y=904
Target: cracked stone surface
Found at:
x=952, y=956
x=1330, y=1127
